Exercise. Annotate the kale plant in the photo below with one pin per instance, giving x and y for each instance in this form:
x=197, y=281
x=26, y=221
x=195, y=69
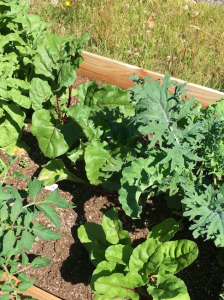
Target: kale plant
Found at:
x=144, y=272
x=37, y=70
x=18, y=229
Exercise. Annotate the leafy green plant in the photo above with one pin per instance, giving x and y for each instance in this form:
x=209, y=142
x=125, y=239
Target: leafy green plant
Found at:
x=4, y=170
x=18, y=229
x=144, y=272
x=36, y=70
x=104, y=135
x=23, y=163
x=205, y=208
x=182, y=144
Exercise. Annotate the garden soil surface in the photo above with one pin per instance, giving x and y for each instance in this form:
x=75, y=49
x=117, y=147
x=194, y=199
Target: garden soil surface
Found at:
x=69, y=273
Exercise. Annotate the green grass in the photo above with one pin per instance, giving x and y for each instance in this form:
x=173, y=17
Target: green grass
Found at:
x=121, y=30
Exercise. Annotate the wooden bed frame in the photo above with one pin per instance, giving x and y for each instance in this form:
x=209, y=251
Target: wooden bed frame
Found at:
x=115, y=72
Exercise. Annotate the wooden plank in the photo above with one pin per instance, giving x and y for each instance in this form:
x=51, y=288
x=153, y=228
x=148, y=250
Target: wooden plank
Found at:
x=32, y=292
x=115, y=72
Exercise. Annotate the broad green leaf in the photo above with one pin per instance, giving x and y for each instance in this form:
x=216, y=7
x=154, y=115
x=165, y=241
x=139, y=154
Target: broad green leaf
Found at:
x=146, y=257
x=164, y=231
x=17, y=97
x=119, y=254
x=25, y=283
x=67, y=76
x=55, y=171
x=96, y=155
x=104, y=268
x=108, y=96
x=112, y=227
x=81, y=115
x=184, y=252
x=40, y=262
x=168, y=287
x=94, y=240
x=11, y=126
x=118, y=286
x=40, y=92
x=50, y=213
x=35, y=186
x=53, y=140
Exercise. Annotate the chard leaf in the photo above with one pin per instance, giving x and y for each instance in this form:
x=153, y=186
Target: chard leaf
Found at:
x=164, y=231
x=54, y=140
x=146, y=258
x=40, y=92
x=94, y=240
x=11, y=126
x=119, y=254
x=81, y=114
x=104, y=268
x=55, y=171
x=16, y=96
x=183, y=252
x=109, y=96
x=112, y=227
x=95, y=155
x=118, y=286
x=168, y=287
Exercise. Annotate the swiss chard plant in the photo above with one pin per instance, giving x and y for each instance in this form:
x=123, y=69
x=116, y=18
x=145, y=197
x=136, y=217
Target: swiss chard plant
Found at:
x=18, y=229
x=37, y=70
x=144, y=272
x=105, y=138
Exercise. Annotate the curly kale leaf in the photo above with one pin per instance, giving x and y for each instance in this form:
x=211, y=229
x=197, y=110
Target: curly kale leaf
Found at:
x=161, y=116
x=205, y=207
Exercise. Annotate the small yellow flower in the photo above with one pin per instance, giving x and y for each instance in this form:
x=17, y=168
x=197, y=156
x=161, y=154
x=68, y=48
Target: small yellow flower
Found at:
x=67, y=3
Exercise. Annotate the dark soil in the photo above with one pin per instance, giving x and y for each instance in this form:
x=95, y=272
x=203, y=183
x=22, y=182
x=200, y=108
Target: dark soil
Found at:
x=70, y=270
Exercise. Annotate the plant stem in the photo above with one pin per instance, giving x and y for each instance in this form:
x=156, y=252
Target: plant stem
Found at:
x=69, y=101
x=58, y=108
x=10, y=282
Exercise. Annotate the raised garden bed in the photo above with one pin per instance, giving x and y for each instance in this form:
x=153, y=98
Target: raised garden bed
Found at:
x=62, y=122
x=69, y=273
